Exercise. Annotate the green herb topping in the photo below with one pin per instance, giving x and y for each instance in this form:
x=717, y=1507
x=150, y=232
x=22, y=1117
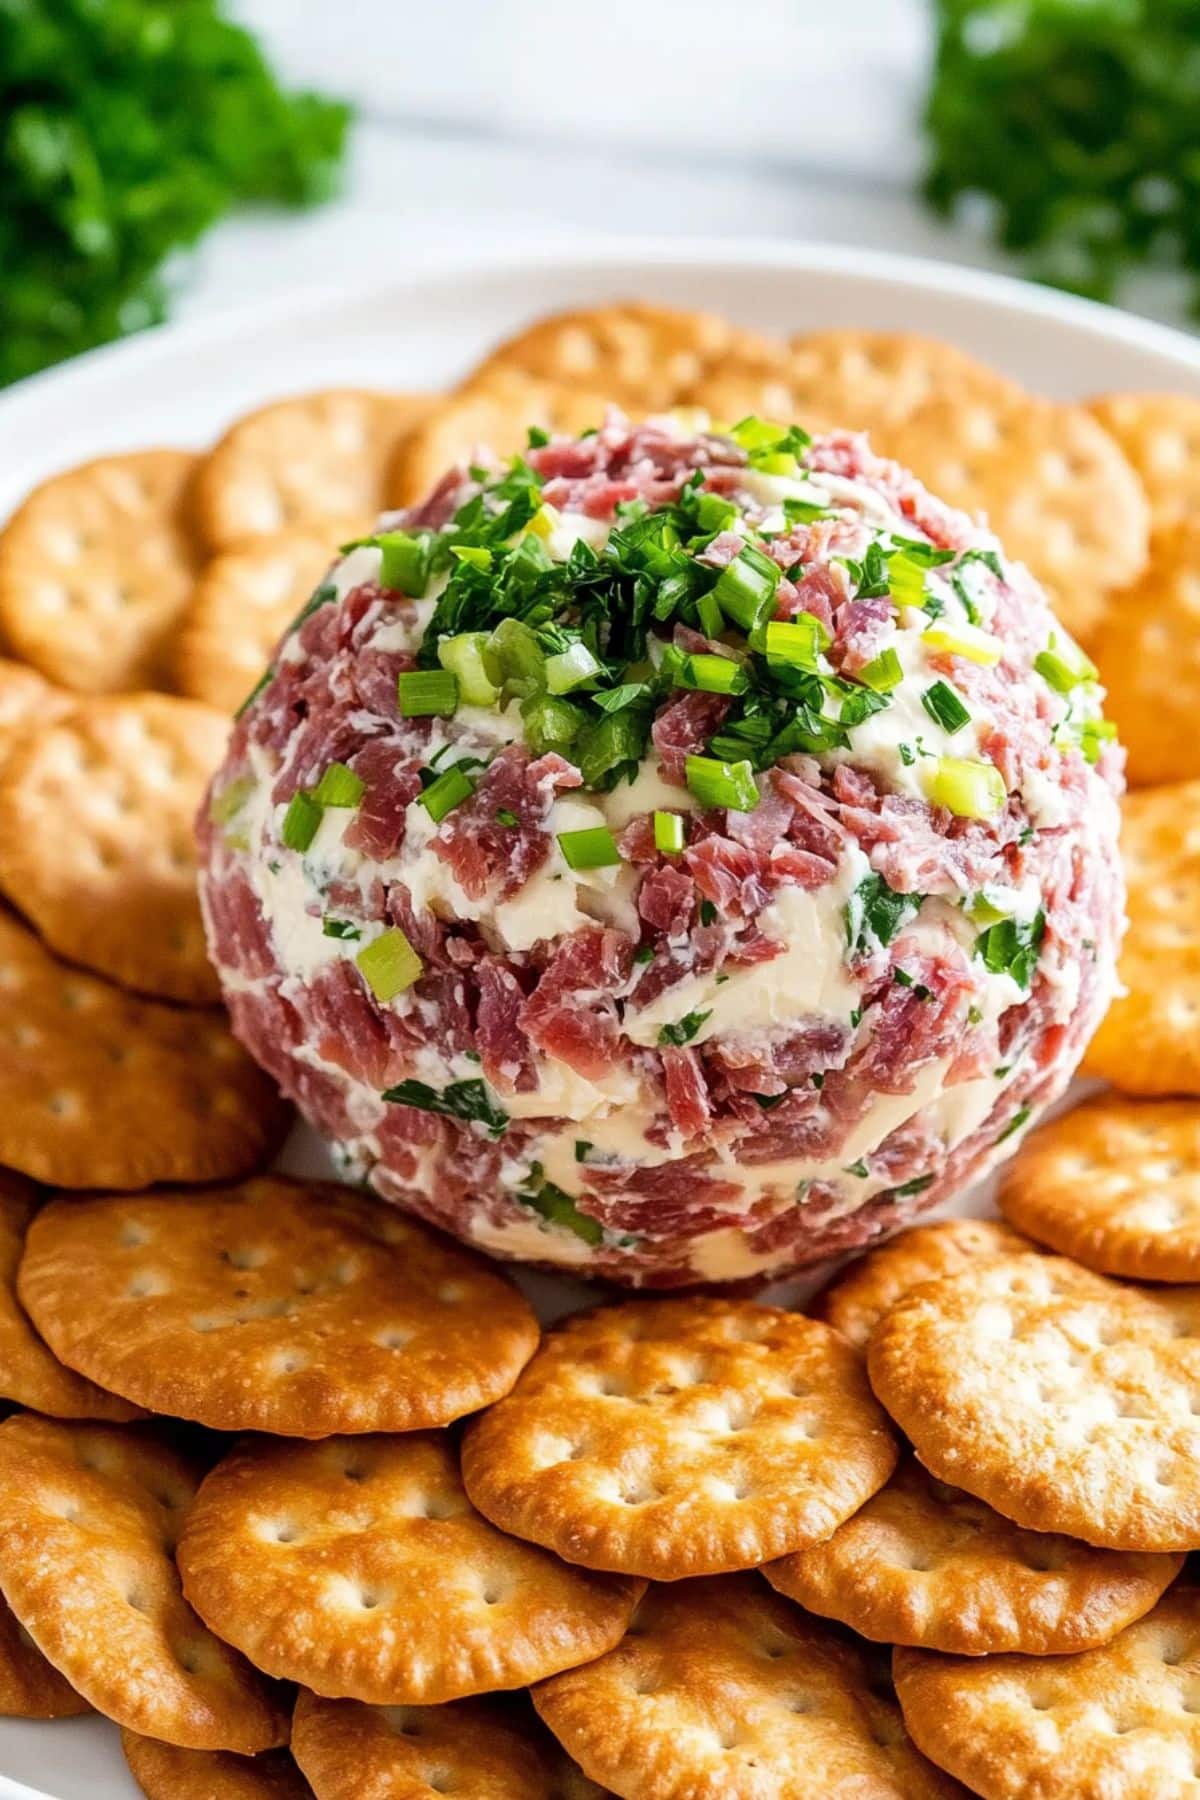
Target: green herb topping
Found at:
x=471, y=1102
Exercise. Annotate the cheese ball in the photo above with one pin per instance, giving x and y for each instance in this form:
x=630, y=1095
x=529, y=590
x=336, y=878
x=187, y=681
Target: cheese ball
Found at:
x=671, y=858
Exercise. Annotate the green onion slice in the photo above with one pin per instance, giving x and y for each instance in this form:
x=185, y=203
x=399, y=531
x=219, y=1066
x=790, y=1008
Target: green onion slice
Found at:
x=571, y=668
x=1061, y=674
x=389, y=964
x=668, y=833
x=972, y=790
x=339, y=786
x=709, y=674
x=593, y=848
x=301, y=821
x=797, y=641
x=465, y=656
x=447, y=792
x=945, y=708
x=883, y=672
x=745, y=588
x=728, y=784
x=405, y=564
x=424, y=693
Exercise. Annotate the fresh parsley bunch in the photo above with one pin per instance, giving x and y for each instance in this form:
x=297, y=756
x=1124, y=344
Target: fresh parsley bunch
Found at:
x=1079, y=121
x=127, y=128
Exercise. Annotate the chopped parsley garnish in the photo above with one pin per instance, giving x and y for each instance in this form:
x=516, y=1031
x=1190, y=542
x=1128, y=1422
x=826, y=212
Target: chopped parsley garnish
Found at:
x=875, y=913
x=945, y=708
x=1015, y=1123
x=644, y=954
x=1011, y=947
x=858, y=1168
x=340, y=928
x=685, y=1029
x=769, y=1102
x=582, y=1150
x=470, y=1101
x=708, y=913
x=916, y=1186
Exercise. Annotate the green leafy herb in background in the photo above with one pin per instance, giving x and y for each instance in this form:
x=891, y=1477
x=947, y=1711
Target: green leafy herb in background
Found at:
x=127, y=128
x=1079, y=120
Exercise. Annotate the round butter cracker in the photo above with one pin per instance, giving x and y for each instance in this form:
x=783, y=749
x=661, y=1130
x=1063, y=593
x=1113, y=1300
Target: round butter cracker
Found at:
x=1148, y=653
x=165, y=1772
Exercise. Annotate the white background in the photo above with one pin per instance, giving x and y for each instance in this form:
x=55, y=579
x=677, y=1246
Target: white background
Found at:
x=488, y=119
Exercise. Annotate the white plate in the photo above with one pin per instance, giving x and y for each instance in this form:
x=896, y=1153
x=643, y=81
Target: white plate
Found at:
x=423, y=328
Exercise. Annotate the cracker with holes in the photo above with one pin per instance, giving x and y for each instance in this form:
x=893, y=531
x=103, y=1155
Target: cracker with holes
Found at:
x=244, y=601
x=89, y=1515
x=1148, y=653
x=27, y=700
x=1115, y=1184
x=96, y=568
x=722, y=1689
x=304, y=460
x=1149, y=1039
x=281, y=1306
x=1068, y=1402
x=681, y=1437
x=1055, y=489
x=496, y=1749
x=359, y=1568
x=637, y=353
x=926, y=1564
x=30, y=1687
x=489, y=419
x=112, y=884
x=857, y=1298
x=29, y=1374
x=101, y=1089
x=1118, y=1723
x=1160, y=434
x=851, y=379
x=166, y=1772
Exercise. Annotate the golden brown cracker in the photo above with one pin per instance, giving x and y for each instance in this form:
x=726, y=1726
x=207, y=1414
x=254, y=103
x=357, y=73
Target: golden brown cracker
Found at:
x=1115, y=1184
x=27, y=700
x=100, y=1089
x=29, y=1373
x=165, y=1772
x=1148, y=652
x=681, y=1437
x=1149, y=1039
x=359, y=1568
x=1160, y=435
x=635, y=352
x=1118, y=1723
x=1068, y=1402
x=496, y=1750
x=926, y=1564
x=30, y=1687
x=302, y=460
x=88, y=1520
x=721, y=1691
x=281, y=1306
x=847, y=379
x=488, y=418
x=96, y=568
x=857, y=1298
x=96, y=838
x=1055, y=489
x=244, y=601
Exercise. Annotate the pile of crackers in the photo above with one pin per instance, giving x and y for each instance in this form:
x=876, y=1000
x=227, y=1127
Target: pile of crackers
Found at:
x=300, y=1495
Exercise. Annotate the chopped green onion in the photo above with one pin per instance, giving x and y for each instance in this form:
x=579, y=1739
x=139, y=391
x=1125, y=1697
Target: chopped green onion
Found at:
x=465, y=655
x=301, y=821
x=984, y=911
x=422, y=693
x=1012, y=947
x=712, y=512
x=1062, y=675
x=798, y=641
x=745, y=588
x=389, y=964
x=945, y=708
x=668, y=833
x=883, y=672
x=683, y=1030
x=611, y=700
x=972, y=790
x=447, y=792
x=712, y=621
x=608, y=745
x=223, y=806
x=804, y=512
x=339, y=786
x=478, y=555
x=594, y=848
x=905, y=580
x=339, y=928
x=558, y=1208
x=875, y=912
x=1019, y=1118
x=544, y=520
x=917, y=1185
x=469, y=1101
x=753, y=433
x=405, y=562
x=722, y=783
x=514, y=651
x=708, y=674
x=551, y=723
x=1093, y=735
x=966, y=641
x=507, y=817
x=536, y=438
x=571, y=668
